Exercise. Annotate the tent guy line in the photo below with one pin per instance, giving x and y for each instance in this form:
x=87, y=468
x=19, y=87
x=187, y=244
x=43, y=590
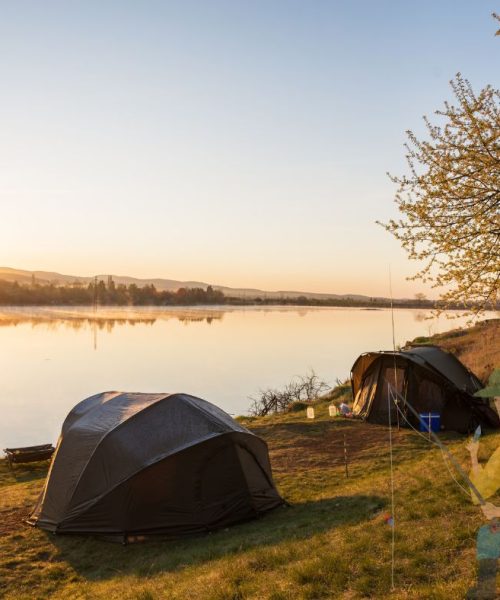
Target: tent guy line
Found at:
x=436, y=441
x=393, y=528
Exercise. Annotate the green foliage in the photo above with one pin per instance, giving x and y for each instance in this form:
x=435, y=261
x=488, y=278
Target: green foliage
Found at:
x=12, y=293
x=421, y=340
x=450, y=200
x=341, y=392
x=297, y=406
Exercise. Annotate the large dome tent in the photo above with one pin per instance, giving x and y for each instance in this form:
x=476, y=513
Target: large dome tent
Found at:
x=133, y=464
x=429, y=379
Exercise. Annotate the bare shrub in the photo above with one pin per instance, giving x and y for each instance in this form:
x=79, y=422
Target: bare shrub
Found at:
x=303, y=388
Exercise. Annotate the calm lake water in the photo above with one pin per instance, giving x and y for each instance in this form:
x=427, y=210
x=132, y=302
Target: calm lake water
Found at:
x=53, y=358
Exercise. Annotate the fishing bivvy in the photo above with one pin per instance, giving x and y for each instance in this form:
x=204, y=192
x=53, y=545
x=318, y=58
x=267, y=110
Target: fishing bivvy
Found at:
x=428, y=378
x=129, y=465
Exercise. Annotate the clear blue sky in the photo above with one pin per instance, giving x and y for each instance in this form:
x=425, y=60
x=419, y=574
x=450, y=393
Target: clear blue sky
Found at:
x=241, y=143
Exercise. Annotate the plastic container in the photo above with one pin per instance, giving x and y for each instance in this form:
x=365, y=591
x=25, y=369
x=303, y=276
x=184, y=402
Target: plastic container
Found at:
x=333, y=411
x=430, y=422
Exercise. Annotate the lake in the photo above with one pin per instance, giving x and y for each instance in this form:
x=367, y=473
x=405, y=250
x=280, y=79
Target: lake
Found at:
x=54, y=357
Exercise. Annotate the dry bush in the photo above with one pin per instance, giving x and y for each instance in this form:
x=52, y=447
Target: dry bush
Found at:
x=304, y=388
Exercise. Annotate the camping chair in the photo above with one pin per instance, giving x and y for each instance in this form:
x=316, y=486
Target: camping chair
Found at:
x=29, y=454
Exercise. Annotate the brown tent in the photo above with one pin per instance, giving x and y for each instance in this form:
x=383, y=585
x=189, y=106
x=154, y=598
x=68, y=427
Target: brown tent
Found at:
x=138, y=464
x=425, y=377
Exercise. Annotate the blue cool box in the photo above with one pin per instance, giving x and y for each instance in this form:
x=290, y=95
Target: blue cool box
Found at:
x=430, y=421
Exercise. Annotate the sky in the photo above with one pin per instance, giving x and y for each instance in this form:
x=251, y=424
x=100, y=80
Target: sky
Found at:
x=236, y=143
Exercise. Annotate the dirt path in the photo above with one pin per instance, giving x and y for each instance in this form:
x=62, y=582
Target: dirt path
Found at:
x=297, y=446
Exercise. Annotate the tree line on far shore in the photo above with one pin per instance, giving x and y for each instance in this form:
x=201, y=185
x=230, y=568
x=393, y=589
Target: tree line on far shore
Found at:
x=100, y=293
x=111, y=294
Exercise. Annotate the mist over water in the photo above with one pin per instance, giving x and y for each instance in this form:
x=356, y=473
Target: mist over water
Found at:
x=54, y=357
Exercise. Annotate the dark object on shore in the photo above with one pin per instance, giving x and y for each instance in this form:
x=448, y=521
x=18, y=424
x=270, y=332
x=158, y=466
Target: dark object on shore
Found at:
x=430, y=379
x=29, y=454
x=130, y=465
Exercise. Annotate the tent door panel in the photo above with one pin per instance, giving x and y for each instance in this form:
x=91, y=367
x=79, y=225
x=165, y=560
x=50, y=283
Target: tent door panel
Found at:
x=261, y=490
x=366, y=393
x=223, y=493
x=392, y=383
x=430, y=397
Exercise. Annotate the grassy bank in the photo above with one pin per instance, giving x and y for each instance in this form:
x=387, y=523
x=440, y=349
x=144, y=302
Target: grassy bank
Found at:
x=477, y=347
x=332, y=542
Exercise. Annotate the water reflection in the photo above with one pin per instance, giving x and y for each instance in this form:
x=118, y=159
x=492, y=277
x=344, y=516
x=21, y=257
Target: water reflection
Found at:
x=103, y=320
x=223, y=354
x=107, y=318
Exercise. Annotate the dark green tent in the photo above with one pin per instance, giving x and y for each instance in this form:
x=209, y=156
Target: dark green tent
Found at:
x=427, y=378
x=137, y=464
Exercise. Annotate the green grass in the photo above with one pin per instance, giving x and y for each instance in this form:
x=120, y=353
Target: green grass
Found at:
x=332, y=542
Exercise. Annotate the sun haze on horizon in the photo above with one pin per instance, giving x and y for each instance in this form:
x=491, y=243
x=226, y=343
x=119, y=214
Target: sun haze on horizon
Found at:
x=238, y=144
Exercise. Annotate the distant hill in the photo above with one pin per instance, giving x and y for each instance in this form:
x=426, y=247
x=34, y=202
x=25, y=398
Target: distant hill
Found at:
x=46, y=277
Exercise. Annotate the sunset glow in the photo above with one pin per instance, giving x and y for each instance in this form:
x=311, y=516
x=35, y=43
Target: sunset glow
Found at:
x=237, y=144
